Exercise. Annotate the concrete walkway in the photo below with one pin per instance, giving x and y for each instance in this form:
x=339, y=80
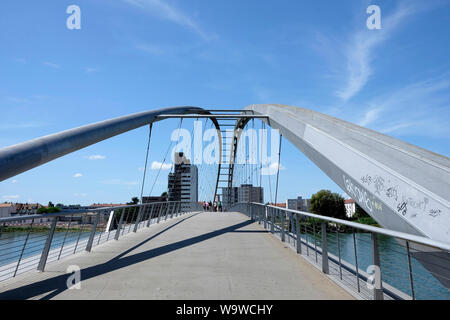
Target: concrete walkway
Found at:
x=200, y=256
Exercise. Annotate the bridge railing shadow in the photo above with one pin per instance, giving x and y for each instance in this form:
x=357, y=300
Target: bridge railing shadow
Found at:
x=56, y=285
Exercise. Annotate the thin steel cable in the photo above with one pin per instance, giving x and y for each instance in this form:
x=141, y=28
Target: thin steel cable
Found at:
x=146, y=160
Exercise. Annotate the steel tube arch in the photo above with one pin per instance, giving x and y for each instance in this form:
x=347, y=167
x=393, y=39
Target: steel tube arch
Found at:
x=24, y=156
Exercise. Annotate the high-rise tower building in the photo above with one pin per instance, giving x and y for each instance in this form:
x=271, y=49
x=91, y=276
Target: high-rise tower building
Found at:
x=183, y=182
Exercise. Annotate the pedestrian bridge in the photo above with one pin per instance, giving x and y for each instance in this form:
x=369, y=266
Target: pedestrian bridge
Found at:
x=178, y=251
x=200, y=255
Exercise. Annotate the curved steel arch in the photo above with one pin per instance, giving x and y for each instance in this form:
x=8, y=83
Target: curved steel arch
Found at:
x=403, y=187
x=30, y=154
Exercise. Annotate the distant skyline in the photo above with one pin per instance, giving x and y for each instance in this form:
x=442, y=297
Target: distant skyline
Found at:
x=137, y=55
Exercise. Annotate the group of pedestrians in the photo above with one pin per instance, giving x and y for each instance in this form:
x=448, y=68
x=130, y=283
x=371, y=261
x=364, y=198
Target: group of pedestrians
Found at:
x=214, y=207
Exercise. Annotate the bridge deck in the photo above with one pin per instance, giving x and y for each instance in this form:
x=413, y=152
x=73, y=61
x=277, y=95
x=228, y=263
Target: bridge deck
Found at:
x=198, y=256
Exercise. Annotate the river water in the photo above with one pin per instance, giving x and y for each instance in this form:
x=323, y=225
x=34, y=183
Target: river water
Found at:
x=394, y=263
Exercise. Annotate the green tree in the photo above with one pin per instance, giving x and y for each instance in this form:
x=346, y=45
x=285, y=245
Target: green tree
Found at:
x=50, y=205
x=328, y=204
x=134, y=200
x=164, y=194
x=42, y=210
x=359, y=212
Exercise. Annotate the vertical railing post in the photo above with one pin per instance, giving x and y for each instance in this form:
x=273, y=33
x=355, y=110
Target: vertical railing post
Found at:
x=161, y=205
x=378, y=289
x=272, y=220
x=356, y=261
x=65, y=236
x=177, y=211
x=283, y=222
x=48, y=243
x=339, y=253
x=149, y=221
x=298, y=233
x=265, y=216
x=138, y=218
x=167, y=210
x=325, y=267
x=307, y=242
x=315, y=239
x=92, y=235
x=411, y=280
x=116, y=237
x=23, y=248
x=173, y=209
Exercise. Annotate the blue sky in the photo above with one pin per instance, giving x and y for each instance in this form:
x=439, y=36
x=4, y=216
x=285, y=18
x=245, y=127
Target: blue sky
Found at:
x=136, y=55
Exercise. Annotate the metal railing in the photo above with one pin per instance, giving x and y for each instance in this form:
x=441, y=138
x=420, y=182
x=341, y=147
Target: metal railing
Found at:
x=30, y=242
x=370, y=262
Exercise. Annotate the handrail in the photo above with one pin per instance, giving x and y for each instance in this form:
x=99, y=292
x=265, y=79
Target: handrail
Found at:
x=68, y=213
x=387, y=232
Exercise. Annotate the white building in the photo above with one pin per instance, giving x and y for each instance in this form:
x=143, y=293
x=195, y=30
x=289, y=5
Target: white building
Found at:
x=350, y=207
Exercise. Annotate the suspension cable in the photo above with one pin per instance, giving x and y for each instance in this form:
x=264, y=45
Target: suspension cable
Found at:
x=164, y=160
x=146, y=159
x=278, y=168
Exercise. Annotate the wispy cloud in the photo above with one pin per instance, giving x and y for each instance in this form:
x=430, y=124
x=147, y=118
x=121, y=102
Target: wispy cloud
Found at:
x=360, y=49
x=13, y=197
x=96, y=157
x=370, y=116
x=51, y=65
x=80, y=194
x=420, y=108
x=156, y=165
x=77, y=175
x=90, y=70
x=151, y=48
x=171, y=13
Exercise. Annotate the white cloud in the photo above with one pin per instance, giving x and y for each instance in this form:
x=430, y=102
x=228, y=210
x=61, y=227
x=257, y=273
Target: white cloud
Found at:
x=14, y=181
x=51, y=65
x=169, y=12
x=80, y=194
x=359, y=51
x=96, y=157
x=156, y=165
x=272, y=169
x=370, y=116
x=90, y=70
x=77, y=175
x=151, y=48
x=419, y=108
x=13, y=197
